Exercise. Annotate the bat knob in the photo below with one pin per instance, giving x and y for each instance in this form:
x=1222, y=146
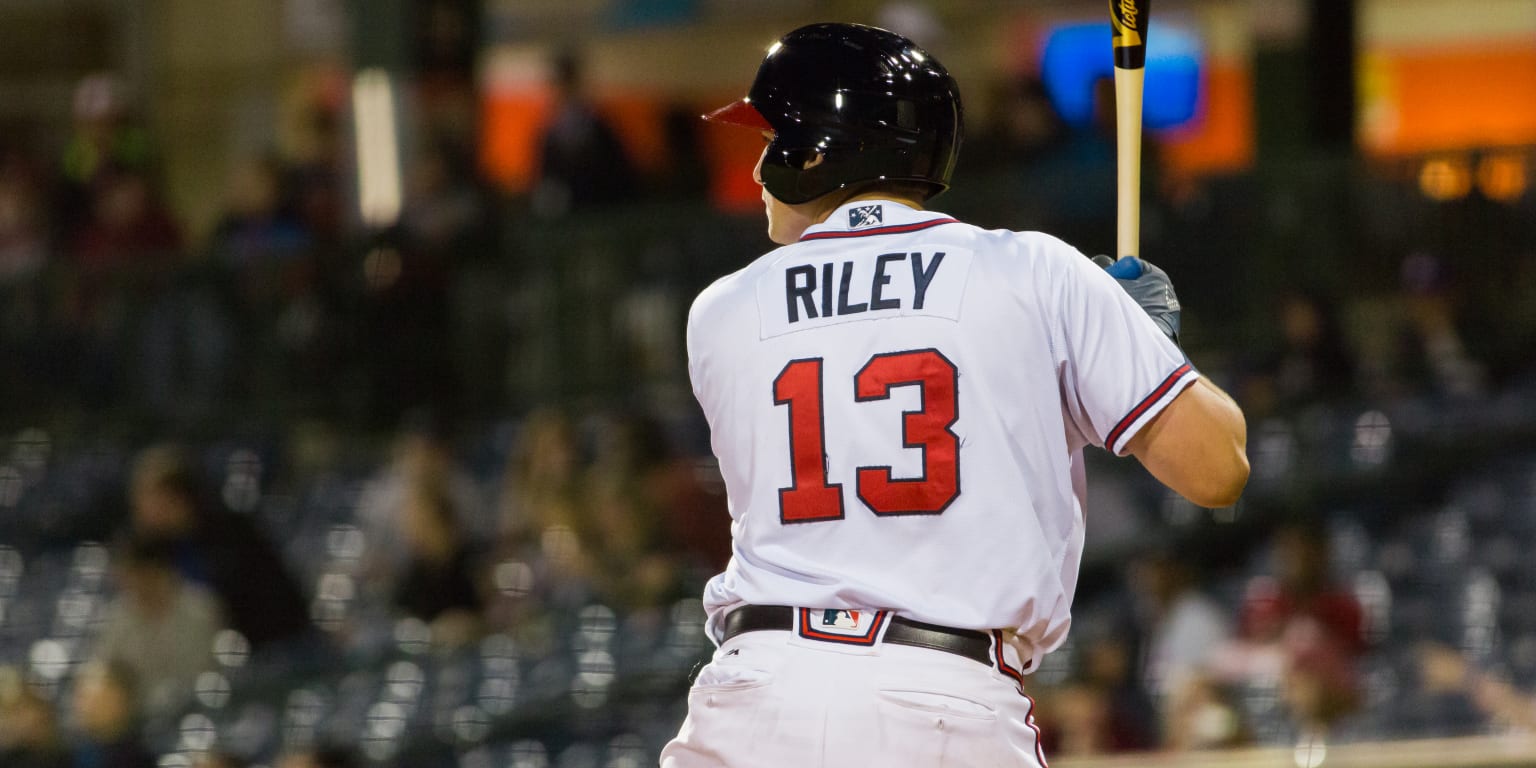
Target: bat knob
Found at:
x=1127, y=268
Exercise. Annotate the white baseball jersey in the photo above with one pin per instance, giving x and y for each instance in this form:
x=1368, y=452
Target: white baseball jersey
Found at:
x=899, y=403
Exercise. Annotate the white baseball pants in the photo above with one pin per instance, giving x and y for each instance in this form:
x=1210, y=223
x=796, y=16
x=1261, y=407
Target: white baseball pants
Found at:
x=771, y=699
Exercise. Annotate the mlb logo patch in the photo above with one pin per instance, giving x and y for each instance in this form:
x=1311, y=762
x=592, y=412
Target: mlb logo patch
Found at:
x=865, y=216
x=855, y=627
x=834, y=617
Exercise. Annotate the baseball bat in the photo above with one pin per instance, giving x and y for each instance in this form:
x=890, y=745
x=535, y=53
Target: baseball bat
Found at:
x=1128, y=18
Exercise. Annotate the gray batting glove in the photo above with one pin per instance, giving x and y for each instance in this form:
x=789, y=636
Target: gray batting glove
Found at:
x=1150, y=287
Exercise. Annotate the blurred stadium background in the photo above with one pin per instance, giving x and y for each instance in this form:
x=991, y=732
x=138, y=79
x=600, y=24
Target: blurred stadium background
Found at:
x=344, y=418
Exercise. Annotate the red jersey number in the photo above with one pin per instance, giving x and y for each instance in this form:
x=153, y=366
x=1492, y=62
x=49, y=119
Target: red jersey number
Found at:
x=812, y=498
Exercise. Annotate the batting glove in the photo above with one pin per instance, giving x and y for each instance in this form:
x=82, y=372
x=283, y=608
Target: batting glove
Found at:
x=1150, y=287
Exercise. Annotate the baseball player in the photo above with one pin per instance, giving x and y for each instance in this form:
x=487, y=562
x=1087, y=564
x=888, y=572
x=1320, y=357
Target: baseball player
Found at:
x=899, y=402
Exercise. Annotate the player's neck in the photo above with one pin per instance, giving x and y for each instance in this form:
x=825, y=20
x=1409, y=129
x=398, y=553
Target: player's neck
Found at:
x=826, y=209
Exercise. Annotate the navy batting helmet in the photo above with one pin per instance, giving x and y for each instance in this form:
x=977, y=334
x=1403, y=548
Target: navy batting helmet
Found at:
x=870, y=102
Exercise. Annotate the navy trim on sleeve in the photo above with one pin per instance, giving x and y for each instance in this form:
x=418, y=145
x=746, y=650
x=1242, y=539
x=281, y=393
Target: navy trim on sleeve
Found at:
x=1147, y=402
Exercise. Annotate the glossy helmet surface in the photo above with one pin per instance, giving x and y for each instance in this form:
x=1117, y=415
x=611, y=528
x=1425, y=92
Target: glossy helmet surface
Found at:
x=870, y=102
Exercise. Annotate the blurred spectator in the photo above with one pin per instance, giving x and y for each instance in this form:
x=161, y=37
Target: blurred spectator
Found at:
x=128, y=238
x=123, y=255
x=262, y=246
x=695, y=526
x=1456, y=697
x=23, y=224
x=631, y=566
x=315, y=164
x=439, y=585
x=1074, y=720
x=129, y=232
x=1311, y=362
x=1299, y=625
x=1183, y=628
x=160, y=627
x=259, y=232
x=445, y=214
x=320, y=757
x=25, y=253
x=651, y=518
x=1445, y=701
x=1102, y=707
x=421, y=456
x=107, y=717
x=1433, y=350
x=29, y=730
x=539, y=485
x=217, y=759
x=1201, y=715
x=216, y=548
x=582, y=163
x=103, y=137
x=448, y=45
x=1131, y=722
x=543, y=520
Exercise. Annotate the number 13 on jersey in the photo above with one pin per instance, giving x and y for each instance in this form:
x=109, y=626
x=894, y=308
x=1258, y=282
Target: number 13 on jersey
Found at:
x=812, y=497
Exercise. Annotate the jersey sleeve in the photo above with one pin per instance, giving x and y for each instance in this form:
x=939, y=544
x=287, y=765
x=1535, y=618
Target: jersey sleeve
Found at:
x=701, y=342
x=693, y=344
x=1119, y=370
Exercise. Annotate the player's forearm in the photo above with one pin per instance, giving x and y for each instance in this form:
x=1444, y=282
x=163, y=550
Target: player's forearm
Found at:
x=1226, y=457
x=1237, y=410
x=1197, y=446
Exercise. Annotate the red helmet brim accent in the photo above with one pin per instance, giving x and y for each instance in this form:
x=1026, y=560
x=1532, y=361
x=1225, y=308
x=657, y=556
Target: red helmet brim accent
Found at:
x=740, y=113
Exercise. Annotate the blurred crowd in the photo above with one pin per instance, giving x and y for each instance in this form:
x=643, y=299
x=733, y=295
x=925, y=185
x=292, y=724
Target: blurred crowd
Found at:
x=288, y=307
x=112, y=308
x=288, y=312
x=599, y=511
x=1168, y=672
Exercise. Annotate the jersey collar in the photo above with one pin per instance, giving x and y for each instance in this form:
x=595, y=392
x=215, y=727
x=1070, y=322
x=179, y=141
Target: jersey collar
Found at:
x=864, y=218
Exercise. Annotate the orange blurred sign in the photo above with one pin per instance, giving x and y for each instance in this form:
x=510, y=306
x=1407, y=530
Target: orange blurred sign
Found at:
x=1427, y=99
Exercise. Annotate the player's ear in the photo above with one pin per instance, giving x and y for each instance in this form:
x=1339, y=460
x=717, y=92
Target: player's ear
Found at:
x=806, y=159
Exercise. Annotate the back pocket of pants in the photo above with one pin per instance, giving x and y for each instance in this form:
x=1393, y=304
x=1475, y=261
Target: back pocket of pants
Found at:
x=930, y=702
x=717, y=677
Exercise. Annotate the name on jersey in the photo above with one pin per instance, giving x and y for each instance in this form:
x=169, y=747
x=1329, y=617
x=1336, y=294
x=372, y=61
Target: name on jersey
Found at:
x=863, y=287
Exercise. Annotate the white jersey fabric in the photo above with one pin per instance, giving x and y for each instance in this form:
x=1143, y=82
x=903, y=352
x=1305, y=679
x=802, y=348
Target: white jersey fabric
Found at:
x=899, y=404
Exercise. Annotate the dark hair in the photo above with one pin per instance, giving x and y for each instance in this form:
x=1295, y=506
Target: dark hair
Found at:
x=167, y=467
x=568, y=68
x=149, y=550
x=334, y=756
x=118, y=674
x=439, y=504
x=225, y=759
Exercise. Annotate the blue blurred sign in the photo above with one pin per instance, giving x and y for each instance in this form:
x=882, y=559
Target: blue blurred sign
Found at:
x=1076, y=56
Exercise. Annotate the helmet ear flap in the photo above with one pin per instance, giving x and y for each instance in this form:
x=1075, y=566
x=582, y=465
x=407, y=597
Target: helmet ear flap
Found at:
x=803, y=159
x=785, y=174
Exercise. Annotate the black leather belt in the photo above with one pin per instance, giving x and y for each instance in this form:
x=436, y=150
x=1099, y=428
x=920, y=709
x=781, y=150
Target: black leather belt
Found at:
x=970, y=643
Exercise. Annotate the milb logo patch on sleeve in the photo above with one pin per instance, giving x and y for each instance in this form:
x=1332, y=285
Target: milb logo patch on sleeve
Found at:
x=865, y=216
